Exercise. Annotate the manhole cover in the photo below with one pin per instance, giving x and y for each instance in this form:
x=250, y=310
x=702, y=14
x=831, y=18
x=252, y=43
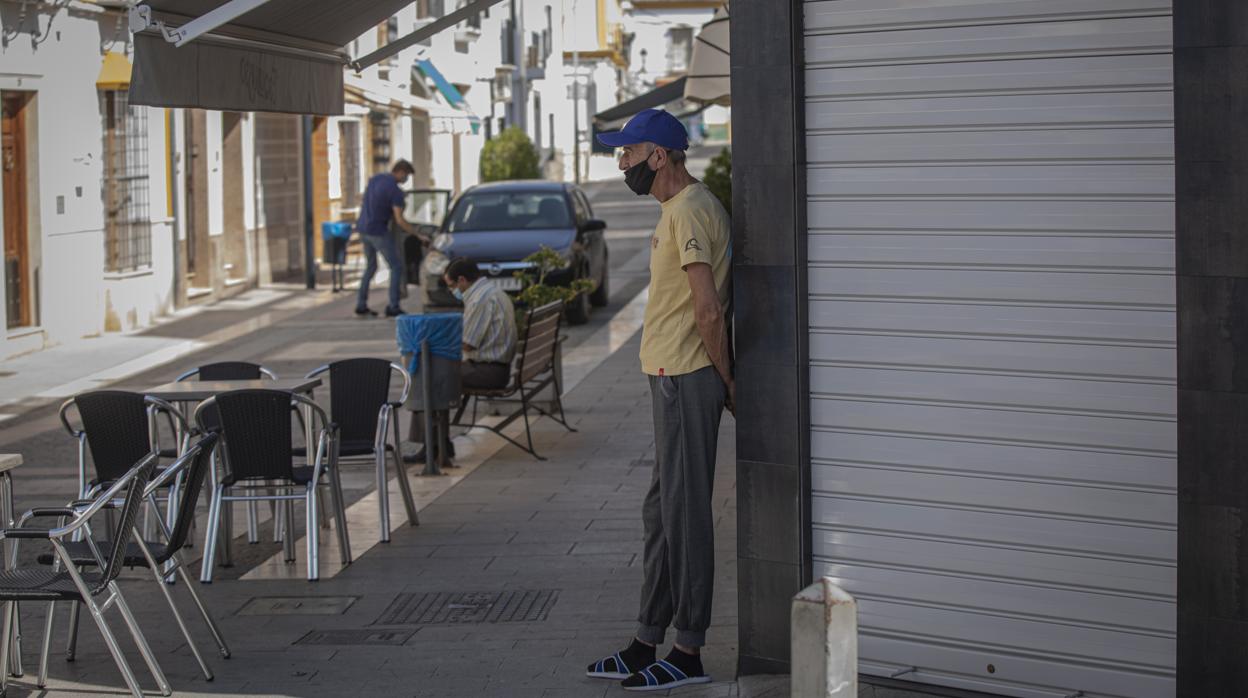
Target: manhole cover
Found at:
x=356, y=637
x=297, y=606
x=469, y=607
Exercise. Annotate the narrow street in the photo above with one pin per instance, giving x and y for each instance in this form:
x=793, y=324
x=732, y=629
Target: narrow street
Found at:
x=298, y=342
x=567, y=528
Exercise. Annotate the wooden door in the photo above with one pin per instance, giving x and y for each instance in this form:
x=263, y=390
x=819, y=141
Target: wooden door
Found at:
x=13, y=162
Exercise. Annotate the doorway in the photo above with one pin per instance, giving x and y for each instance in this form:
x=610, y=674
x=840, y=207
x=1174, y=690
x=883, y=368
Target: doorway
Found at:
x=17, y=287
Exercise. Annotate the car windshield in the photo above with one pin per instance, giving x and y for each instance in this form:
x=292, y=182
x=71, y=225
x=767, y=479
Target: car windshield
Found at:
x=510, y=210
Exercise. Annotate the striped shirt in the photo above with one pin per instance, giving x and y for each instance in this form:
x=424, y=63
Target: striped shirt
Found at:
x=489, y=323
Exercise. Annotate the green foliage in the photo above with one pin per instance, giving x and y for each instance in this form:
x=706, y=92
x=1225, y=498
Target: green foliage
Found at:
x=718, y=178
x=536, y=293
x=510, y=155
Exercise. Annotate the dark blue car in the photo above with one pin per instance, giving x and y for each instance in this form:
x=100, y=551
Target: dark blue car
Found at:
x=499, y=224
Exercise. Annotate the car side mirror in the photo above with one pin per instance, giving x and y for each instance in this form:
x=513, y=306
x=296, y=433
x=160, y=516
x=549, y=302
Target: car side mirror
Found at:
x=593, y=224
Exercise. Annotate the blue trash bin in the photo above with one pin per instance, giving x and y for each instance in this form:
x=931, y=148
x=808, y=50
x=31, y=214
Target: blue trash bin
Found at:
x=336, y=235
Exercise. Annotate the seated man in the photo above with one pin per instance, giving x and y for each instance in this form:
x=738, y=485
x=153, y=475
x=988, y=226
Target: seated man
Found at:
x=489, y=326
x=489, y=339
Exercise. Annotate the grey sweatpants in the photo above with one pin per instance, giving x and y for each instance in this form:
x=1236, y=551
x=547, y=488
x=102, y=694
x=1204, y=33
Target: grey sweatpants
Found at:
x=679, y=555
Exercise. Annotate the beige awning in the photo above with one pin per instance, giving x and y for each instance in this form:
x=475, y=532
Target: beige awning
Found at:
x=259, y=55
x=709, y=70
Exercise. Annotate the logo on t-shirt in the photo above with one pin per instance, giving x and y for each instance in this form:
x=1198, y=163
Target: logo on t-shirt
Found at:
x=692, y=245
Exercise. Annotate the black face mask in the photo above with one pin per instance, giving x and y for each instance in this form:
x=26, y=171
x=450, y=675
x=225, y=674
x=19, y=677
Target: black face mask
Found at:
x=640, y=177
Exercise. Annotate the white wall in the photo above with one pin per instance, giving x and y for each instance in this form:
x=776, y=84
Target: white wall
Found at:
x=74, y=297
x=216, y=181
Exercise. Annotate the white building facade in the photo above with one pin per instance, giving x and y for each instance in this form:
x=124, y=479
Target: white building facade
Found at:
x=88, y=234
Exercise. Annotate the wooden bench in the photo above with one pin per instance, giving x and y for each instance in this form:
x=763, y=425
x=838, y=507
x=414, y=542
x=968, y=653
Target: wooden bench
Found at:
x=533, y=370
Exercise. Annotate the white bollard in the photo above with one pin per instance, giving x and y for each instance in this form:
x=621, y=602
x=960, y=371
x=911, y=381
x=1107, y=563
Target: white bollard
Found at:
x=824, y=631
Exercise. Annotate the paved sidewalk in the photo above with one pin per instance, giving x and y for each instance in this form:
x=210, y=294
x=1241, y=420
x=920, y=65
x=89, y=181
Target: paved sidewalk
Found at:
x=548, y=553
x=32, y=380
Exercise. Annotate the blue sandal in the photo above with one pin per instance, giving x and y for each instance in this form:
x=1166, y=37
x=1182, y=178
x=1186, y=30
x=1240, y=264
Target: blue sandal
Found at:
x=612, y=667
x=661, y=676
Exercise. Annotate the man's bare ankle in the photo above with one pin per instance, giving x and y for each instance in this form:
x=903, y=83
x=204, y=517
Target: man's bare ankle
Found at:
x=647, y=644
x=695, y=651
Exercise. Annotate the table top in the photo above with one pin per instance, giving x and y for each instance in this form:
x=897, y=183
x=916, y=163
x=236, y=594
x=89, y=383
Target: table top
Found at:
x=196, y=391
x=9, y=461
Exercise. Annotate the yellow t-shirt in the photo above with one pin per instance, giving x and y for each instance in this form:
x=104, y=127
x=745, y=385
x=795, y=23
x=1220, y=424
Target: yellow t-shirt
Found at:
x=694, y=227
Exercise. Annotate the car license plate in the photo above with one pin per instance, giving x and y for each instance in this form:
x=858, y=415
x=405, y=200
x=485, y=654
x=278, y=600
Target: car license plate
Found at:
x=509, y=283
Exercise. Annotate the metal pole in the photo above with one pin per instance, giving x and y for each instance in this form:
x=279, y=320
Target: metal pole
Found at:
x=309, y=254
x=522, y=105
x=426, y=391
x=576, y=102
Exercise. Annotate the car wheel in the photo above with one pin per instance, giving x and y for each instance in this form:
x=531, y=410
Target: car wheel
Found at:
x=601, y=295
x=577, y=310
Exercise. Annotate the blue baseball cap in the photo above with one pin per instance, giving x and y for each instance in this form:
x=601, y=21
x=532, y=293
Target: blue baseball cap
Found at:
x=649, y=126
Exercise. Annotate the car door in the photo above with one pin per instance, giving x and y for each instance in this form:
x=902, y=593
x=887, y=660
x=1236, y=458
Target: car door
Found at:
x=594, y=240
x=425, y=210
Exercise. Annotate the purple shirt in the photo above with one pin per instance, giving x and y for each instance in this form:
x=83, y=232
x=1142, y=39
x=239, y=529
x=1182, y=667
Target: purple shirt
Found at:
x=380, y=198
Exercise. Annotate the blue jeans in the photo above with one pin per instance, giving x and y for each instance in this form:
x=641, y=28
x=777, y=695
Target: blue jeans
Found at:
x=384, y=244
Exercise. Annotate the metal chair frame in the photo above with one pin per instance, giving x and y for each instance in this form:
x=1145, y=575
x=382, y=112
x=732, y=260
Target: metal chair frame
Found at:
x=79, y=526
x=285, y=492
x=173, y=562
x=385, y=419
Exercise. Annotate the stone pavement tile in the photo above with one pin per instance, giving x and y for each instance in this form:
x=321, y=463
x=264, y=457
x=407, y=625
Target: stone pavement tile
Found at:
x=586, y=692
x=502, y=550
x=566, y=562
x=616, y=524
x=601, y=547
x=545, y=514
x=407, y=551
x=573, y=536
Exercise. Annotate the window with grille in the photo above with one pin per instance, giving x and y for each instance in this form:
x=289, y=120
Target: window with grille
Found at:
x=349, y=163
x=127, y=217
x=679, y=49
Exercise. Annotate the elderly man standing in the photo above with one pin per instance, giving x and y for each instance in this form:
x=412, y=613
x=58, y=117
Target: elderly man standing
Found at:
x=685, y=353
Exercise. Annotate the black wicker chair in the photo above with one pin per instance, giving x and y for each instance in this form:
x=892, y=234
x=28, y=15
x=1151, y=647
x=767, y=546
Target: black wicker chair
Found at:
x=257, y=460
x=69, y=583
x=232, y=371
x=360, y=406
x=229, y=371
x=117, y=430
x=162, y=558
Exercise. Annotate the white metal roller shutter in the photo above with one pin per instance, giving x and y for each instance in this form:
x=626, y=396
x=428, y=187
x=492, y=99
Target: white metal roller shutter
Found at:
x=992, y=338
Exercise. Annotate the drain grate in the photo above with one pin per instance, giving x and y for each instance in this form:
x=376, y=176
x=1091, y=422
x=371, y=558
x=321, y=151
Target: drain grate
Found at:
x=469, y=607
x=297, y=606
x=356, y=637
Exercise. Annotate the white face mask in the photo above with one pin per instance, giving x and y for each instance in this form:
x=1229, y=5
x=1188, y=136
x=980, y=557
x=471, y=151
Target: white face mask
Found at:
x=459, y=295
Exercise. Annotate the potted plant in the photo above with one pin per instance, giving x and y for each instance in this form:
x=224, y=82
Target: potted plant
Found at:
x=535, y=292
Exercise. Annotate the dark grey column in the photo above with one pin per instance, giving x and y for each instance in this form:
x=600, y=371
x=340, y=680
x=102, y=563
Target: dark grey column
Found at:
x=1211, y=139
x=769, y=291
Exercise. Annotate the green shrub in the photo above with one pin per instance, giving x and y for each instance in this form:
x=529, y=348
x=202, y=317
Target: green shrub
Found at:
x=536, y=293
x=718, y=178
x=510, y=155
